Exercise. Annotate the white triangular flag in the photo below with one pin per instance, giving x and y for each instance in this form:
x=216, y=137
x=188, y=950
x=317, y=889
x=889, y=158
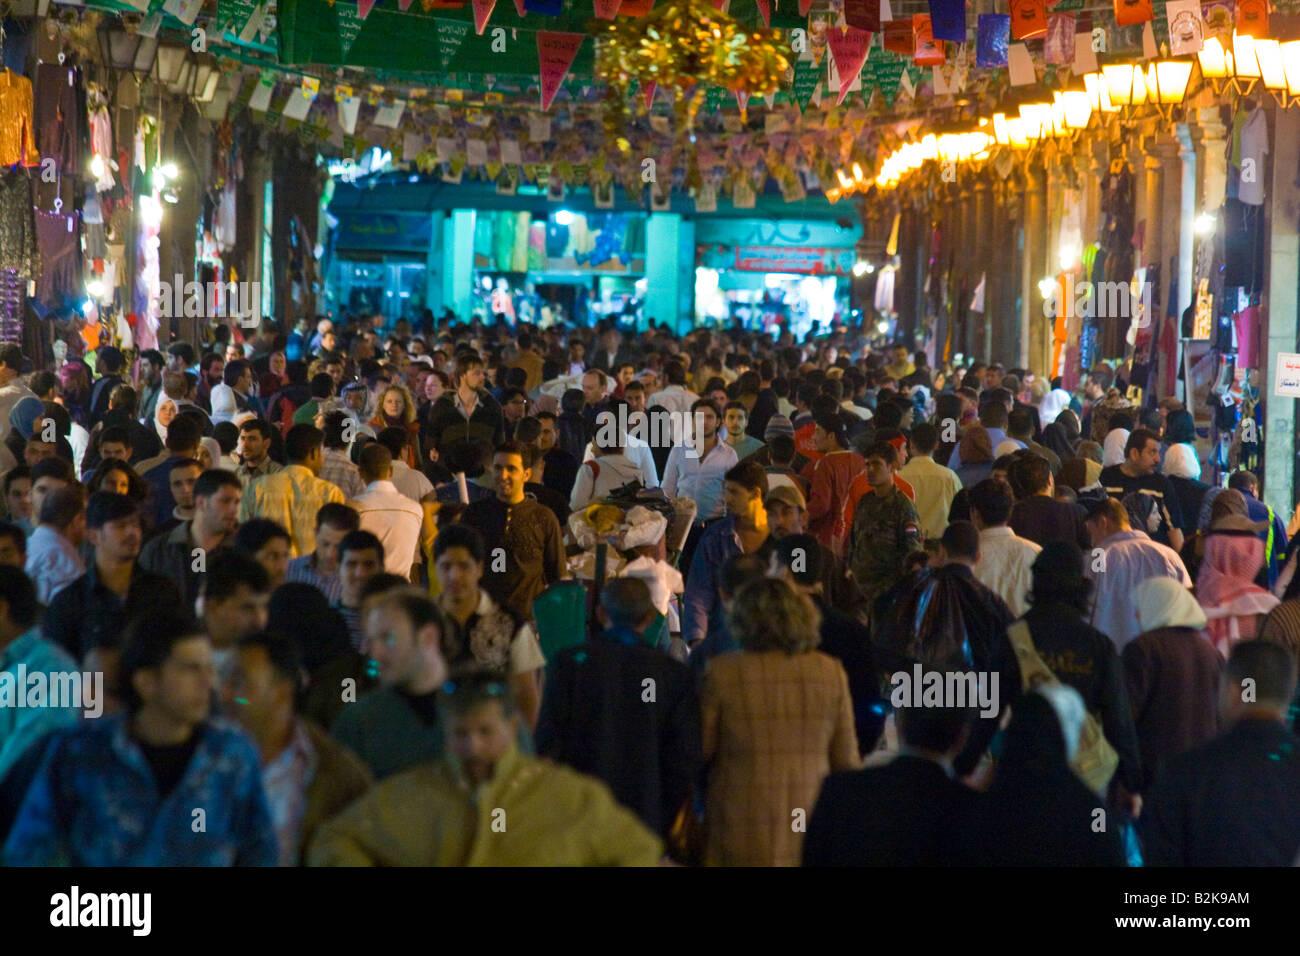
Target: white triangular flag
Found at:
x=977, y=300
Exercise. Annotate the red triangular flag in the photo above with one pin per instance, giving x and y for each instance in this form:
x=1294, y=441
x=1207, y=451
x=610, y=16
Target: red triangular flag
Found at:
x=719, y=4
x=849, y=49
x=804, y=7
x=519, y=7
x=404, y=5
x=363, y=8
x=648, y=91
x=482, y=10
x=743, y=99
x=765, y=11
x=555, y=53
x=605, y=9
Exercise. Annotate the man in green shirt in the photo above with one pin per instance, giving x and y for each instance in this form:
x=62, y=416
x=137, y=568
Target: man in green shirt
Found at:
x=886, y=528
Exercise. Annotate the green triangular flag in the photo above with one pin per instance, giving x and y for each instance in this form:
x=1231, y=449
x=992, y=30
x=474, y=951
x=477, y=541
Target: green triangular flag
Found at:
x=451, y=33
x=806, y=75
x=349, y=26
x=889, y=73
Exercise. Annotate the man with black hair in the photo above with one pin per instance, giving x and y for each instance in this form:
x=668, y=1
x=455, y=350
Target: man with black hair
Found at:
x=183, y=553
x=141, y=442
x=1006, y=559
x=1139, y=474
x=182, y=443
x=322, y=390
x=320, y=569
x=123, y=790
x=268, y=544
x=255, y=459
x=466, y=413
x=1020, y=427
x=361, y=557
x=395, y=726
x=388, y=514
x=561, y=468
x=885, y=526
x=1037, y=515
x=934, y=485
x=53, y=551
x=231, y=397
x=527, y=434
x=408, y=481
x=336, y=467
x=1234, y=801
x=523, y=532
x=13, y=545
x=433, y=814
x=151, y=368
x=22, y=651
x=233, y=601
x=91, y=613
x=293, y=495
x=110, y=364
x=907, y=812
x=308, y=776
x=649, y=756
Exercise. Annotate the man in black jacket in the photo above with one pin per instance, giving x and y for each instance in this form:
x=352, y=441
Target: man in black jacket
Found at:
x=1235, y=801
x=622, y=711
x=908, y=812
x=468, y=413
x=1037, y=515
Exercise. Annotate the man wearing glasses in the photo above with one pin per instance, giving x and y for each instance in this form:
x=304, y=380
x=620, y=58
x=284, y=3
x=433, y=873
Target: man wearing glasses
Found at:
x=514, y=406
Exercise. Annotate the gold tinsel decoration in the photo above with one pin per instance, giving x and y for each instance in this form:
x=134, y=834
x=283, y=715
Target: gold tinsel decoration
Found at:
x=684, y=46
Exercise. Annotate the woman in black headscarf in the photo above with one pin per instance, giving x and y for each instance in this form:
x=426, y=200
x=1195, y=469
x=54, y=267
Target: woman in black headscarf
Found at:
x=1062, y=435
x=1037, y=812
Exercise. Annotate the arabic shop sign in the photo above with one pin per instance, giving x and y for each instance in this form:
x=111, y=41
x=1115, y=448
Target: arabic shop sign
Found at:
x=806, y=260
x=1288, y=375
x=391, y=231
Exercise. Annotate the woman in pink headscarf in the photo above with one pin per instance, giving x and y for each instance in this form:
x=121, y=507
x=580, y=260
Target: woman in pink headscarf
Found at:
x=1234, y=604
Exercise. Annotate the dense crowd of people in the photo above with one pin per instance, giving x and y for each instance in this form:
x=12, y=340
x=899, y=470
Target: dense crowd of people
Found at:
x=300, y=581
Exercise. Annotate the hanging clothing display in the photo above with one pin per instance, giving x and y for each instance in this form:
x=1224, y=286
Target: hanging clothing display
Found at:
x=223, y=227
x=101, y=144
x=1247, y=323
x=92, y=220
x=19, y=249
x=17, y=117
x=60, y=256
x=1119, y=205
x=884, y=300
x=1254, y=144
x=61, y=129
x=11, y=306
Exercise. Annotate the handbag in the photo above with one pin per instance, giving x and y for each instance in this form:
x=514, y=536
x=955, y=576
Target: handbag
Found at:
x=1095, y=760
x=686, y=836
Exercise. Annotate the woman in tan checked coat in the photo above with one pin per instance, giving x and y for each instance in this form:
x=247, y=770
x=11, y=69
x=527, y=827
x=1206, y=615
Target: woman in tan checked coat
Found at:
x=777, y=719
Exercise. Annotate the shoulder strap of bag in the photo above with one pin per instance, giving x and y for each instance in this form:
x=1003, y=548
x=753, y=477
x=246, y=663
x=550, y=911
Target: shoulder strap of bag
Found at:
x=1033, y=669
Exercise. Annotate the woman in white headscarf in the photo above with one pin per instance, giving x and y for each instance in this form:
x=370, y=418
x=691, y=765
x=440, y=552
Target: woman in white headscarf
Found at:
x=163, y=415
x=1112, y=450
x=1173, y=673
x=1183, y=470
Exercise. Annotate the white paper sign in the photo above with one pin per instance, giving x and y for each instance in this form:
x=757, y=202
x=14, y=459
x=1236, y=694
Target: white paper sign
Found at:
x=706, y=199
x=349, y=106
x=298, y=106
x=1186, y=28
x=261, y=98
x=1287, y=383
x=1085, y=58
x=510, y=154
x=446, y=147
x=539, y=128
x=412, y=146
x=476, y=152
x=254, y=25
x=390, y=114
x=186, y=11
x=150, y=25
x=1020, y=64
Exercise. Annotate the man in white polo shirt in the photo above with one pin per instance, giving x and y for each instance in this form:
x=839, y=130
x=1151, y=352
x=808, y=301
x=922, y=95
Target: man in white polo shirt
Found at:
x=386, y=513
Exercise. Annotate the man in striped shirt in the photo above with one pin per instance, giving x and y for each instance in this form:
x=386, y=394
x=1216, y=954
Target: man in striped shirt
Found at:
x=321, y=568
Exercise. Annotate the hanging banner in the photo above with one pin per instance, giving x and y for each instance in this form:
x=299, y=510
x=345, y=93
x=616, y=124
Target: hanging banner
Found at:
x=889, y=74
x=1029, y=18
x=804, y=7
x=993, y=33
x=451, y=34
x=1218, y=20
x=948, y=20
x=742, y=100
x=1186, y=29
x=1130, y=12
x=806, y=76
x=849, y=48
x=348, y=105
x=635, y=8
x=648, y=94
x=863, y=14
x=349, y=26
x=1058, y=49
x=482, y=11
x=555, y=53
x=1020, y=65
x=765, y=14
x=403, y=5
x=898, y=37
x=925, y=51
x=363, y=7
x=606, y=9
x=547, y=8
x=1252, y=17
x=1085, y=57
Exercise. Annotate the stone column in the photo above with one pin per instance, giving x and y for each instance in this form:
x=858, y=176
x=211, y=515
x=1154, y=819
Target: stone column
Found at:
x=1186, y=216
x=1034, y=348
x=1280, y=302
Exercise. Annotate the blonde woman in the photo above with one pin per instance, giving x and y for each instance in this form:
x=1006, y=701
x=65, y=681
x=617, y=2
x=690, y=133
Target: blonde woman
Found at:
x=397, y=410
x=776, y=719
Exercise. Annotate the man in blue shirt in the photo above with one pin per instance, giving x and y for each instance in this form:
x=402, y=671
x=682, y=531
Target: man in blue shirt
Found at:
x=162, y=784
x=24, y=654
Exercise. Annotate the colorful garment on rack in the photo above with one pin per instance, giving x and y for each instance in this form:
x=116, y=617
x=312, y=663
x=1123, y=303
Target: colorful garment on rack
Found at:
x=60, y=256
x=19, y=249
x=17, y=138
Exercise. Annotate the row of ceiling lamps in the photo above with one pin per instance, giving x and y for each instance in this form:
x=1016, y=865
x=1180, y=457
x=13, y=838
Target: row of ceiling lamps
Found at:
x=1162, y=84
